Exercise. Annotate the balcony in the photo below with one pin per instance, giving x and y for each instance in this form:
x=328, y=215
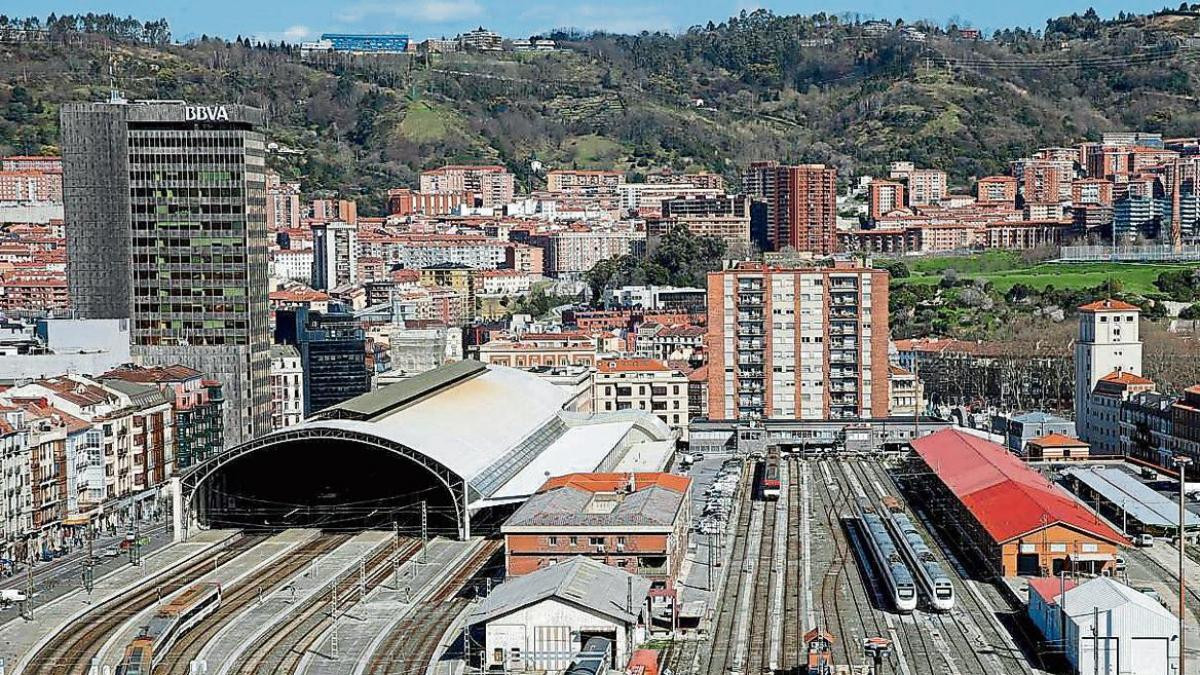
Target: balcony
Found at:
x=843, y=329
x=750, y=361
x=755, y=317
x=843, y=313
x=751, y=330
x=750, y=345
x=750, y=374
x=751, y=388
x=750, y=402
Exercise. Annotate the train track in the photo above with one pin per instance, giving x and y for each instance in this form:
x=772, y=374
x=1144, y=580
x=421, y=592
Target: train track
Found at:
x=411, y=644
x=72, y=649
x=759, y=657
x=792, y=648
x=717, y=659
x=280, y=650
x=959, y=626
x=188, y=647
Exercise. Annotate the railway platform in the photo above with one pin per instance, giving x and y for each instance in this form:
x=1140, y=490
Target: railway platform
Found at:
x=253, y=562
x=369, y=622
x=225, y=650
x=21, y=637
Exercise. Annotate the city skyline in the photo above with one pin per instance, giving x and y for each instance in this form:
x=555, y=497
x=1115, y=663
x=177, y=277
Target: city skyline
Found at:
x=433, y=18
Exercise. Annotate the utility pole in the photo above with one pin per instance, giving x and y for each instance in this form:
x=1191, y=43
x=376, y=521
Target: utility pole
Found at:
x=362, y=577
x=1182, y=463
x=424, y=533
x=89, y=573
x=29, y=589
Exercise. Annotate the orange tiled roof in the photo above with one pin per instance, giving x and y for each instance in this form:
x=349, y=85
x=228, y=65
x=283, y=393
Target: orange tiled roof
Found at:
x=1057, y=440
x=1109, y=305
x=608, y=482
x=1125, y=377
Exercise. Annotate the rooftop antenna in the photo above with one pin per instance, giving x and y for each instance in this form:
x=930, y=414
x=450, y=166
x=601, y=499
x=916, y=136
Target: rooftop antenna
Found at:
x=114, y=96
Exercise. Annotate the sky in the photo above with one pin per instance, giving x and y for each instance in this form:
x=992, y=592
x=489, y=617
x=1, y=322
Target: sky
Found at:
x=297, y=20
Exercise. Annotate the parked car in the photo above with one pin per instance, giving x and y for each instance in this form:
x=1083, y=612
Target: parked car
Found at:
x=112, y=552
x=1119, y=564
x=1143, y=540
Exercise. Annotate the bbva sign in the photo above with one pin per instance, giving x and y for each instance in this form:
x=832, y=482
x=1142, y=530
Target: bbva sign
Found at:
x=205, y=113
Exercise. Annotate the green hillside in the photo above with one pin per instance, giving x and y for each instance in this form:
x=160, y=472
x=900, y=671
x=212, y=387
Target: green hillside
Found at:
x=757, y=86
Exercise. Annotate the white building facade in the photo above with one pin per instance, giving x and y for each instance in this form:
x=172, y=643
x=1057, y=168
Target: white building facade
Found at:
x=1108, y=341
x=287, y=387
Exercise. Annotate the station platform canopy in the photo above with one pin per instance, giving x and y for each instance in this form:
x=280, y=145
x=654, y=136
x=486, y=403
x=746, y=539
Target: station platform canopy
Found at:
x=1129, y=494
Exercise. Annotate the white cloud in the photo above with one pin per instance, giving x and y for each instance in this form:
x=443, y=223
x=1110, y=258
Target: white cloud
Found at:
x=419, y=11
x=295, y=33
x=611, y=18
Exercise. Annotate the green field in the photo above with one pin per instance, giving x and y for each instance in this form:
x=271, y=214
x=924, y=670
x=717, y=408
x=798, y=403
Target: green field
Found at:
x=1005, y=270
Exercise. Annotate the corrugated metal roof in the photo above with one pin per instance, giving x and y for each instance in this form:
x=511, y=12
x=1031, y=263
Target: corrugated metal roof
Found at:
x=392, y=397
x=580, y=581
x=1007, y=497
x=1103, y=594
x=568, y=506
x=1123, y=490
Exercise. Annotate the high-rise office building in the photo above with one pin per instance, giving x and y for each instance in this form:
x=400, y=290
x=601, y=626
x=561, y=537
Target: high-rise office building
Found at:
x=801, y=204
x=798, y=344
x=164, y=205
x=333, y=354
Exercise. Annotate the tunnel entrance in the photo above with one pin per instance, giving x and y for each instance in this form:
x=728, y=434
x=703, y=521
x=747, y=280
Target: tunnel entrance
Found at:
x=333, y=484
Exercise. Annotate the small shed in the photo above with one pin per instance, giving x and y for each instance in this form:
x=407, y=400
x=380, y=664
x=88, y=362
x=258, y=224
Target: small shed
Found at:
x=1110, y=628
x=541, y=620
x=1056, y=446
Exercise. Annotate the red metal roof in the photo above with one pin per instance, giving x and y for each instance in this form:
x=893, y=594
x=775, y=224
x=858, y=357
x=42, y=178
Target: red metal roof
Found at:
x=1049, y=588
x=1057, y=440
x=1004, y=495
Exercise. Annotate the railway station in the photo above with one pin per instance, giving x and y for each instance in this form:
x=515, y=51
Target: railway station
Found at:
x=1124, y=499
x=1015, y=520
x=381, y=459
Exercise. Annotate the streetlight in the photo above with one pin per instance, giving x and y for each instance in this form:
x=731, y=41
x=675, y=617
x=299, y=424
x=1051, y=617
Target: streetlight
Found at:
x=1181, y=462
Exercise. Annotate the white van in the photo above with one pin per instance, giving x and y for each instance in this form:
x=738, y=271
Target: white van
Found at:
x=1143, y=540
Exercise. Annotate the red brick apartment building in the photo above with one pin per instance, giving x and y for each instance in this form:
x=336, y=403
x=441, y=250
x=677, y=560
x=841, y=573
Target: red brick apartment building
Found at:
x=638, y=522
x=885, y=196
x=788, y=343
x=996, y=190
x=801, y=204
x=584, y=182
x=494, y=184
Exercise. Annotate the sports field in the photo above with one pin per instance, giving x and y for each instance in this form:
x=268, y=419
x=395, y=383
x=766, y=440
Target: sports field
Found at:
x=1005, y=270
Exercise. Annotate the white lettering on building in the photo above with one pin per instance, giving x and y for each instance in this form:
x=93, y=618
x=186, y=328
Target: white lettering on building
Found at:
x=205, y=113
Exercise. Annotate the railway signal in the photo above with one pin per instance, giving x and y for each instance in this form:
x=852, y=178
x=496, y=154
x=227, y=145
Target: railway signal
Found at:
x=876, y=649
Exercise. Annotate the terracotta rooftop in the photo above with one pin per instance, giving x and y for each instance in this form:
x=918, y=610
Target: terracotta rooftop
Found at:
x=632, y=365
x=1109, y=305
x=609, y=482
x=1125, y=377
x=1057, y=440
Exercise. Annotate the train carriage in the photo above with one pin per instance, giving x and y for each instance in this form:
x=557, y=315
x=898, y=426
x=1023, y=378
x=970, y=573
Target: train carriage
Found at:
x=179, y=615
x=768, y=488
x=902, y=590
x=932, y=578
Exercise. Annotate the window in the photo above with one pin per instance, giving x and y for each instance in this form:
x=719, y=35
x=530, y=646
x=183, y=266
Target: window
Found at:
x=1028, y=548
x=553, y=541
x=1058, y=548
x=1089, y=548
x=596, y=541
x=573, y=541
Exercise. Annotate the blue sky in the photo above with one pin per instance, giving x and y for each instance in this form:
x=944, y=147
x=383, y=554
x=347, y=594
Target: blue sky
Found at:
x=304, y=19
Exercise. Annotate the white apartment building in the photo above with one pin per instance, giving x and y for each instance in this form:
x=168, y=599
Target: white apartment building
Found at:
x=574, y=252
x=643, y=384
x=287, y=387
x=292, y=264
x=417, y=251
x=1108, y=343
x=335, y=255
x=16, y=503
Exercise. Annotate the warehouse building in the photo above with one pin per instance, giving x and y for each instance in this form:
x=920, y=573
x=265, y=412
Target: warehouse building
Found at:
x=539, y=621
x=1017, y=522
x=1105, y=627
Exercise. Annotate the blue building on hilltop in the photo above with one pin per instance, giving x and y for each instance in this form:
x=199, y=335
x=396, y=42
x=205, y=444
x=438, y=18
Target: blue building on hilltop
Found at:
x=367, y=43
